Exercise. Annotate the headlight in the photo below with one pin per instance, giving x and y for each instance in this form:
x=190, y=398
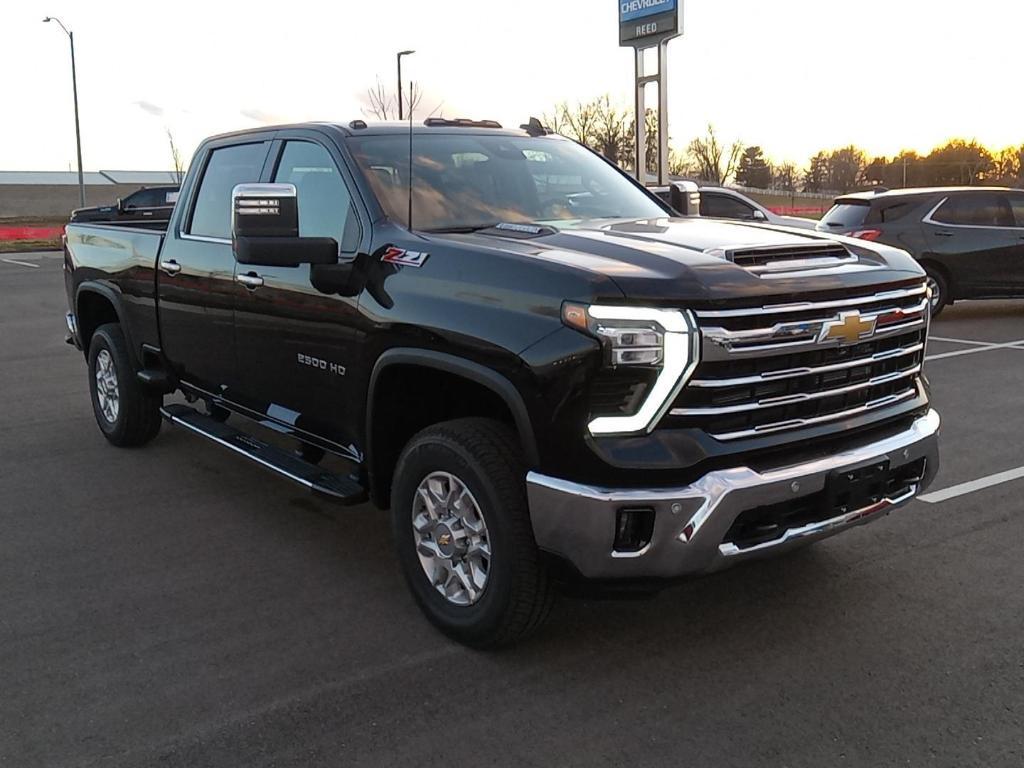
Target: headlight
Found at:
x=662, y=339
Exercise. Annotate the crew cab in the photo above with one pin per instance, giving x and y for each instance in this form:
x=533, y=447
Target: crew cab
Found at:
x=545, y=375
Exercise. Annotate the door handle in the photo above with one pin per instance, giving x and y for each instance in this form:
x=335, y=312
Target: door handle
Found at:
x=251, y=281
x=942, y=233
x=171, y=267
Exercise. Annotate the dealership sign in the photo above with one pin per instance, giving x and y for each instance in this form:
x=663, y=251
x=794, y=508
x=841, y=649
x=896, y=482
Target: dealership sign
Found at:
x=644, y=23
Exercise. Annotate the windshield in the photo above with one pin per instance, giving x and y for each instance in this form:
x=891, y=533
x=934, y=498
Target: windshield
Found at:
x=472, y=181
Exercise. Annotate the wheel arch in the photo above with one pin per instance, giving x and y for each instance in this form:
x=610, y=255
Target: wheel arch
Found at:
x=929, y=263
x=95, y=305
x=451, y=370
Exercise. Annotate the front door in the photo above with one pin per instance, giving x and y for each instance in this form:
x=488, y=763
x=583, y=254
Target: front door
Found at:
x=196, y=272
x=296, y=345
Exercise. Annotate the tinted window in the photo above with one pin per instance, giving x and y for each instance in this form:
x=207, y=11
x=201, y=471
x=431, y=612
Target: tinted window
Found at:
x=847, y=215
x=724, y=207
x=145, y=198
x=474, y=180
x=894, y=212
x=1017, y=203
x=227, y=167
x=325, y=206
x=976, y=210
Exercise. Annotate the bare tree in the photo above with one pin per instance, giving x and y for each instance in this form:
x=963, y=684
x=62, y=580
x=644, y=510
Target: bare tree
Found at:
x=382, y=102
x=611, y=130
x=714, y=162
x=785, y=177
x=179, y=166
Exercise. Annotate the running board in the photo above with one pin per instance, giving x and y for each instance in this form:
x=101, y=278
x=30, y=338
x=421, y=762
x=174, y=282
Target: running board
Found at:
x=339, y=488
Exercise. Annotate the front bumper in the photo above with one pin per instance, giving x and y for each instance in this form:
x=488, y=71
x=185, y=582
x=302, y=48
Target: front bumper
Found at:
x=577, y=522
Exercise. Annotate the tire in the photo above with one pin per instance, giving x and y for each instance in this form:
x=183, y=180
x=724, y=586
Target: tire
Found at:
x=940, y=290
x=483, y=456
x=128, y=415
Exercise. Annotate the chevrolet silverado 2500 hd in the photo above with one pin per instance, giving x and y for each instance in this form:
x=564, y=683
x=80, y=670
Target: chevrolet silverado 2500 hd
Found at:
x=540, y=371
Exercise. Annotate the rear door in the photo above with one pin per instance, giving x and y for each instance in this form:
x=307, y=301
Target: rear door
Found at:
x=974, y=235
x=295, y=344
x=196, y=270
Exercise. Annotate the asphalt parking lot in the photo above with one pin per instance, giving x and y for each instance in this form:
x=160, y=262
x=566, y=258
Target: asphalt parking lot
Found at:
x=177, y=606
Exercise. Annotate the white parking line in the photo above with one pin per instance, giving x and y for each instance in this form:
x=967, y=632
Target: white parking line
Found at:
x=974, y=485
x=20, y=263
x=964, y=341
x=975, y=350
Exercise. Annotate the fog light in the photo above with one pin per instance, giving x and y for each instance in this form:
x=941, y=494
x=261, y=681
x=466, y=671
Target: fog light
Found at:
x=634, y=529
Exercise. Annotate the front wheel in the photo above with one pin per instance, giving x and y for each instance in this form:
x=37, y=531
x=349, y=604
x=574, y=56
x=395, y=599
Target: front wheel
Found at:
x=463, y=533
x=939, y=291
x=126, y=412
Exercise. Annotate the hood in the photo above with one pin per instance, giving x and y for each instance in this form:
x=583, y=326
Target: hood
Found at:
x=670, y=261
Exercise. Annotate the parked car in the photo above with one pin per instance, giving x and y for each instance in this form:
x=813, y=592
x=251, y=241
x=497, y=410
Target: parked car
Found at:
x=725, y=203
x=542, y=373
x=141, y=208
x=970, y=240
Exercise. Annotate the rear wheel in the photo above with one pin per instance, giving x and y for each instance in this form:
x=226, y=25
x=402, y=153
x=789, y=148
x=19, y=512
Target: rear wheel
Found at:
x=127, y=413
x=463, y=533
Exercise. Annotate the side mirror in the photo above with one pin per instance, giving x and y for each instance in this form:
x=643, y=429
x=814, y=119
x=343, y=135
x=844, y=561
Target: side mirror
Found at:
x=265, y=229
x=120, y=205
x=684, y=196
x=759, y=215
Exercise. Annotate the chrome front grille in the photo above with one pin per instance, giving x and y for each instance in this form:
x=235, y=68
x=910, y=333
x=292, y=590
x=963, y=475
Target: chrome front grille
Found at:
x=782, y=367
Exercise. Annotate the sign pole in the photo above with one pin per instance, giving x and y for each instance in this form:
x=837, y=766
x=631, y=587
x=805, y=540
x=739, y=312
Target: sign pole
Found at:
x=640, y=133
x=663, y=113
x=645, y=24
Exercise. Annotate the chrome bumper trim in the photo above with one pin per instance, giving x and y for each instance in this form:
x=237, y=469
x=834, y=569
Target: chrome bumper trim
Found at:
x=577, y=521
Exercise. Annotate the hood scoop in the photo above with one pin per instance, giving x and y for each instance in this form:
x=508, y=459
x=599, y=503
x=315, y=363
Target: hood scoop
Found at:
x=787, y=258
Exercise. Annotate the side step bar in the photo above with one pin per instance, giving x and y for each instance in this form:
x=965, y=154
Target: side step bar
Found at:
x=339, y=488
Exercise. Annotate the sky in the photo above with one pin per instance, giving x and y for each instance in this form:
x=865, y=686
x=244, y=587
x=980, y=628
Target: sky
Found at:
x=793, y=76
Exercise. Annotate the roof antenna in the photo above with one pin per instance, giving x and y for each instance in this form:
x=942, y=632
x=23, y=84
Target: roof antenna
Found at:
x=410, y=154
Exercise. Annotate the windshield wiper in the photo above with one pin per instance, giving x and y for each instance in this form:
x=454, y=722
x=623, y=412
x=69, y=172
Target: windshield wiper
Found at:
x=463, y=230
x=506, y=228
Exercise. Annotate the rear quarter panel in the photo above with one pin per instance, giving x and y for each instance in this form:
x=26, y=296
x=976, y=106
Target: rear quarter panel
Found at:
x=119, y=262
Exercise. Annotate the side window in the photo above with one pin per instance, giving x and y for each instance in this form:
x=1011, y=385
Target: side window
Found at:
x=1017, y=203
x=325, y=205
x=226, y=167
x=723, y=207
x=976, y=210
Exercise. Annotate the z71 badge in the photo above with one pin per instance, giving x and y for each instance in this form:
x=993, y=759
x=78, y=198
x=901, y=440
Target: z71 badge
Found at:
x=405, y=258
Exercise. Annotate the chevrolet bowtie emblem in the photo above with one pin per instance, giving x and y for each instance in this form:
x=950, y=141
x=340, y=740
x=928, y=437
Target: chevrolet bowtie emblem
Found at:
x=848, y=329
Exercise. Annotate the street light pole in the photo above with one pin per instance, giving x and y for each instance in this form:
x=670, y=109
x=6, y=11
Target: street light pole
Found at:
x=74, y=89
x=401, y=112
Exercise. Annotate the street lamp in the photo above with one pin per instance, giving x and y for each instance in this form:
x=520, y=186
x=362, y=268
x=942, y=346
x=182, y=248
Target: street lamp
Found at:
x=74, y=88
x=400, y=55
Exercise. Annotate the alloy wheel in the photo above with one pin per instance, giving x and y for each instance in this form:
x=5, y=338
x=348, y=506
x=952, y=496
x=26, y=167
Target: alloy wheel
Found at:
x=451, y=538
x=107, y=392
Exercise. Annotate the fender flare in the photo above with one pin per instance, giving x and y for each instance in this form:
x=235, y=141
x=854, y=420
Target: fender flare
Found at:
x=467, y=369
x=115, y=299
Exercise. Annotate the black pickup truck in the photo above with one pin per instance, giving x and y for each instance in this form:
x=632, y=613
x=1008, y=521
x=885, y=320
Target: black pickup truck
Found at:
x=545, y=376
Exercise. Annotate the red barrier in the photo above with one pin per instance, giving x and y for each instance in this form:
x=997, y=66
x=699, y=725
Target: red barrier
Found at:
x=789, y=211
x=31, y=233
